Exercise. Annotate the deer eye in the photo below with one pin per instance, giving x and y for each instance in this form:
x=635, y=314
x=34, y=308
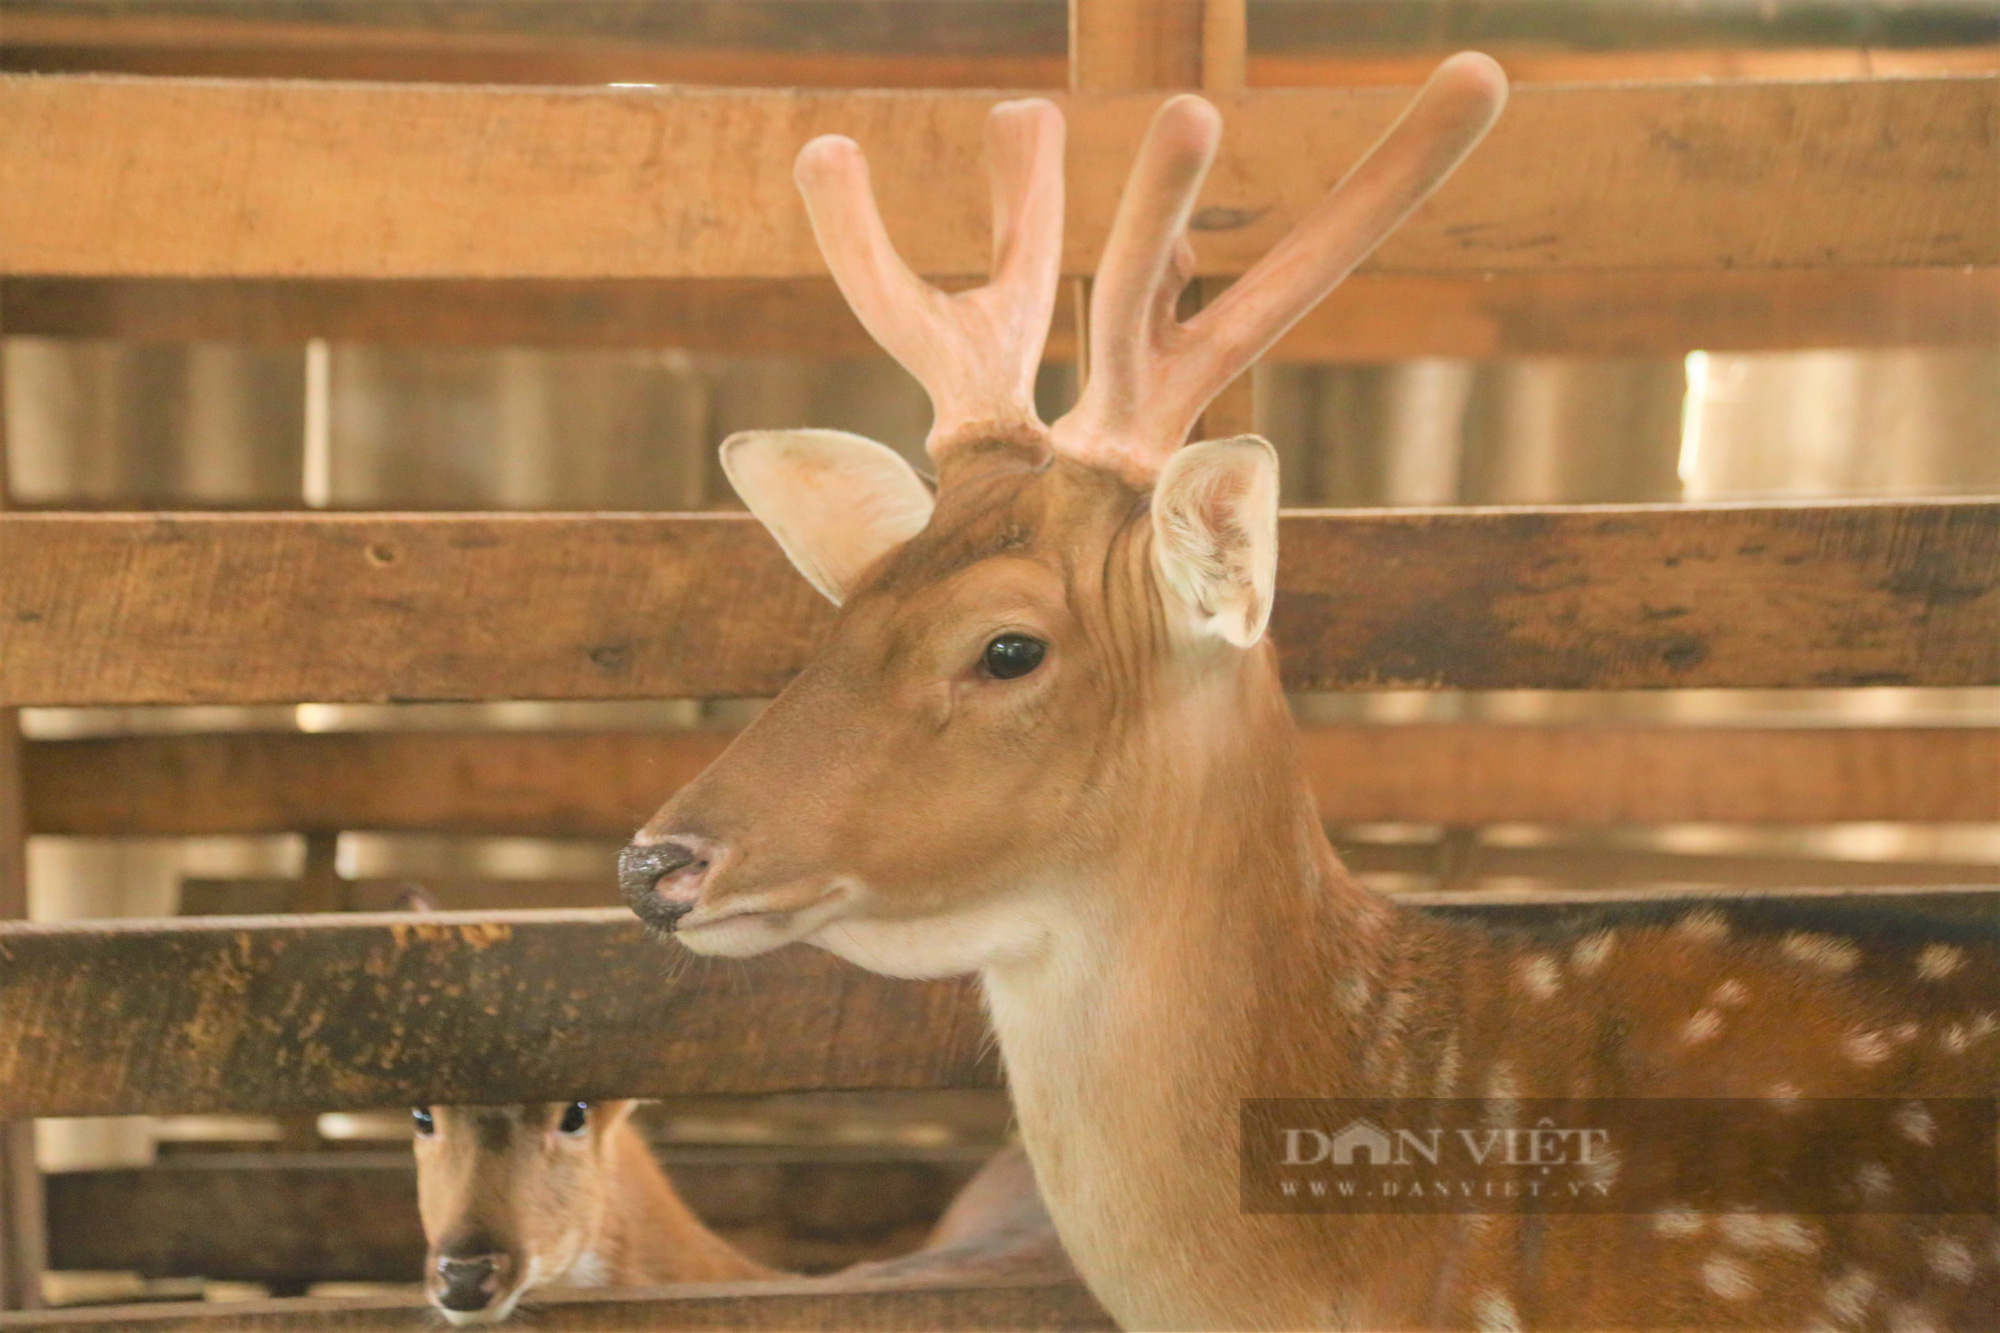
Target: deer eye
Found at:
x=1012, y=655
x=574, y=1117
x=420, y=1116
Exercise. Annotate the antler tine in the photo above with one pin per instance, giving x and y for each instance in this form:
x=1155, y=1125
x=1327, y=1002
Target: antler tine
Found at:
x=976, y=352
x=1145, y=266
x=1141, y=418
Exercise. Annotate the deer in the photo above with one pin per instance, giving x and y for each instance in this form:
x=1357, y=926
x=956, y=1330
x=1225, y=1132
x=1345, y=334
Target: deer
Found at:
x=520, y=1198
x=552, y=1194
x=1045, y=744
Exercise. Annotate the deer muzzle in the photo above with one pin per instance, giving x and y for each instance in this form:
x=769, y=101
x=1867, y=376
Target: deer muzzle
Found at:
x=662, y=881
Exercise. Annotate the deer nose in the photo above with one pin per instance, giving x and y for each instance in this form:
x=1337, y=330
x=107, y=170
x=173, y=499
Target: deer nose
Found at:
x=662, y=881
x=470, y=1282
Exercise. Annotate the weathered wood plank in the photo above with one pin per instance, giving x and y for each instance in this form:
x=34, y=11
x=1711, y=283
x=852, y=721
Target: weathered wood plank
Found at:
x=605, y=784
x=123, y=176
x=1018, y=43
x=351, y=1216
x=802, y=1305
x=1642, y=597
x=275, y=1014
x=1371, y=317
x=289, y=1013
x=199, y=608
x=23, y=1240
x=129, y=609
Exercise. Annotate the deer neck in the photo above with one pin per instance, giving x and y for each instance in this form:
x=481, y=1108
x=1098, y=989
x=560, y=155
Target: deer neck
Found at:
x=1192, y=968
x=648, y=1234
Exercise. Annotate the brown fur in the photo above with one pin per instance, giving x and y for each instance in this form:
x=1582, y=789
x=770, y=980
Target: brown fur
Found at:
x=1122, y=845
x=593, y=1210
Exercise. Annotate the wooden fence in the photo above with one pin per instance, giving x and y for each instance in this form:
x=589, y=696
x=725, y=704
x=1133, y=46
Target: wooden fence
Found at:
x=1654, y=215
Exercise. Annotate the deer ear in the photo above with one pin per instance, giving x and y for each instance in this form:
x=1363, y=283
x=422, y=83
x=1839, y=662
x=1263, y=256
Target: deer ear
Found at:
x=836, y=502
x=1215, y=534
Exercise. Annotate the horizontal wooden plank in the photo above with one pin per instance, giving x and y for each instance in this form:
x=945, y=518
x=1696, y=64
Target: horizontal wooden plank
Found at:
x=351, y=1216
x=604, y=784
x=297, y=1013
x=245, y=608
x=940, y=43
x=1472, y=868
x=1372, y=317
x=130, y=176
x=291, y=1013
x=803, y=1305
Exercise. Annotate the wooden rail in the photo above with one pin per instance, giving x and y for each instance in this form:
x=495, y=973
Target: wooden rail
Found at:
x=133, y=177
x=604, y=784
x=800, y=1305
x=130, y=609
x=351, y=1215
x=1371, y=317
x=292, y=1013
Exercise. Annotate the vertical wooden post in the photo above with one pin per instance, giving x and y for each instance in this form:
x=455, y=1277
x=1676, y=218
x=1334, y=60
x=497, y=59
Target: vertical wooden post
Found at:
x=1119, y=45
x=23, y=1241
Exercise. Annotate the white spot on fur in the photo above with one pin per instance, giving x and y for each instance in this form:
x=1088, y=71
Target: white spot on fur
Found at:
x=1705, y=1025
x=1728, y=1277
x=1849, y=1296
x=1592, y=951
x=1915, y=1123
x=1873, y=1180
x=1949, y=1257
x=1705, y=924
x=1821, y=951
x=1503, y=1105
x=1865, y=1047
x=1904, y=1033
x=1784, y=1097
x=1603, y=1167
x=1730, y=994
x=1938, y=961
x=1766, y=1231
x=1907, y=1318
x=1678, y=1222
x=1492, y=1312
x=589, y=1270
x=1538, y=976
x=1353, y=993
x=1445, y=1082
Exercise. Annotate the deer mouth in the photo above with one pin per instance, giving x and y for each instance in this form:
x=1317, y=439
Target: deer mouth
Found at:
x=758, y=923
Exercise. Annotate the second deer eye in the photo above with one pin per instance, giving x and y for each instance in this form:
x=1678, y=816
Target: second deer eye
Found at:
x=1012, y=655
x=574, y=1117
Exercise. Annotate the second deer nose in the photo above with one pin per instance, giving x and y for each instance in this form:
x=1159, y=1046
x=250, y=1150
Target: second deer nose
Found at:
x=470, y=1283
x=662, y=881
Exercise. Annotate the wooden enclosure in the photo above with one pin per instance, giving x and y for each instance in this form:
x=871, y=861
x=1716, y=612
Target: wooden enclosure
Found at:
x=1660, y=209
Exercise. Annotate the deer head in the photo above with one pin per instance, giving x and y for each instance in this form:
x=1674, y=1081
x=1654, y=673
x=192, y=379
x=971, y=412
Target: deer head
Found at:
x=1050, y=660
x=512, y=1198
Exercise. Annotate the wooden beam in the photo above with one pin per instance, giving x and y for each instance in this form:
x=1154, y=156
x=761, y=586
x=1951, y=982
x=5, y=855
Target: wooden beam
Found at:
x=199, y=608
x=1573, y=867
x=1371, y=317
x=142, y=40
x=930, y=45
x=351, y=1216
x=605, y=784
x=313, y=1013
x=276, y=897
x=292, y=1013
x=23, y=1241
x=797, y=1305
x=138, y=177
